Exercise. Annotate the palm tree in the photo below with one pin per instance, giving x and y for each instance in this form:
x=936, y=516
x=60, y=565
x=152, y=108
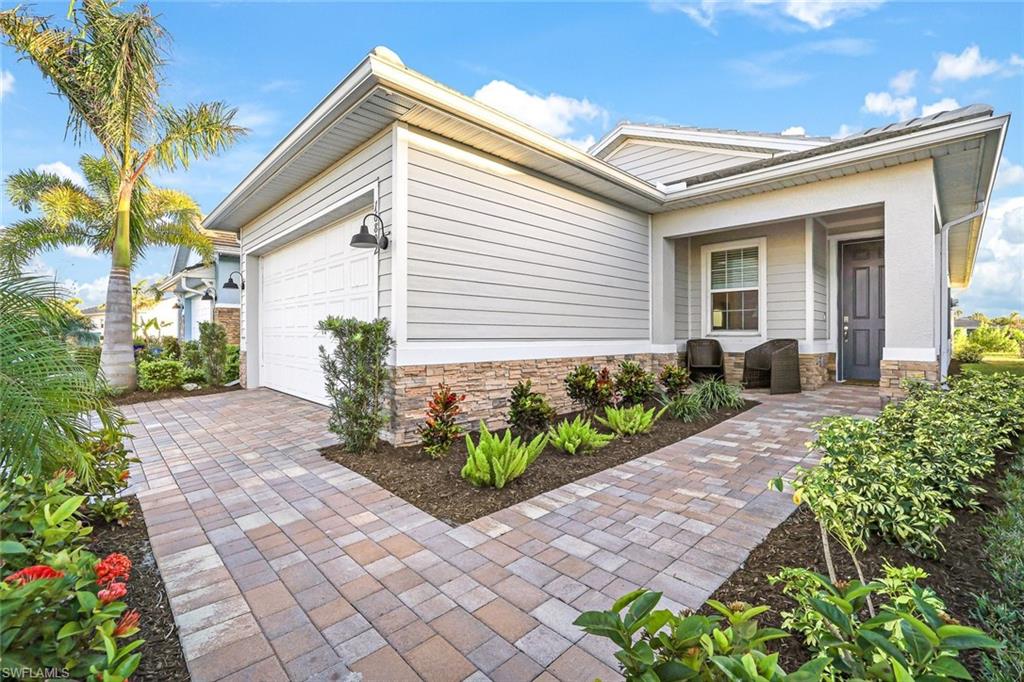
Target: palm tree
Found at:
x=107, y=66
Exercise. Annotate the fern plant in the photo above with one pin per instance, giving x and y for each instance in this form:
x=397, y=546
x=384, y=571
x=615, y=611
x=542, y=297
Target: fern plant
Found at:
x=630, y=421
x=578, y=436
x=714, y=395
x=495, y=461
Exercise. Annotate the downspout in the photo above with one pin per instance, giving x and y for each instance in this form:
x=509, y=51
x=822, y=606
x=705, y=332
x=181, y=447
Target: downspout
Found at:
x=944, y=259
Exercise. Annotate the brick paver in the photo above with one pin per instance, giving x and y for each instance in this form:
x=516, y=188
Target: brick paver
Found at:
x=281, y=564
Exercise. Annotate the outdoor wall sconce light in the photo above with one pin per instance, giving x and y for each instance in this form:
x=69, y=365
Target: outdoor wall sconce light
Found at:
x=208, y=295
x=230, y=284
x=377, y=241
x=177, y=305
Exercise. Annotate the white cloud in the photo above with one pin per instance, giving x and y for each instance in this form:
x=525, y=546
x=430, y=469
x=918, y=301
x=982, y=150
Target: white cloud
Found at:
x=944, y=104
x=554, y=114
x=78, y=251
x=964, y=66
x=279, y=85
x=998, y=283
x=884, y=104
x=845, y=130
x=583, y=143
x=1009, y=174
x=795, y=130
x=37, y=267
x=256, y=118
x=6, y=83
x=789, y=14
x=62, y=170
x=903, y=82
x=91, y=293
x=784, y=68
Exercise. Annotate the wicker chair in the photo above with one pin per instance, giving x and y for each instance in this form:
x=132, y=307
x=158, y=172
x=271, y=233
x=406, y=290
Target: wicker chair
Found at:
x=775, y=365
x=704, y=357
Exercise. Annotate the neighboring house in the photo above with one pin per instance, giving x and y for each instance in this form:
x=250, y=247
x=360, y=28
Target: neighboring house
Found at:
x=168, y=322
x=968, y=324
x=198, y=287
x=97, y=315
x=514, y=254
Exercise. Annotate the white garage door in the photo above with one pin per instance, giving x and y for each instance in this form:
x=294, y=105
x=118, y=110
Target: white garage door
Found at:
x=300, y=284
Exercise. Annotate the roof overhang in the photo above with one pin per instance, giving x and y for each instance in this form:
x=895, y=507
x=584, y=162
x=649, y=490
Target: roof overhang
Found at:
x=720, y=139
x=380, y=91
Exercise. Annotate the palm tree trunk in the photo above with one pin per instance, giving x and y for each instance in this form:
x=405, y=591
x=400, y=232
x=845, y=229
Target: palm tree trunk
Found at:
x=118, y=358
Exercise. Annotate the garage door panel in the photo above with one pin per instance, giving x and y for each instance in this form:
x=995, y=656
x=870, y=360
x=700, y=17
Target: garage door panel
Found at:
x=302, y=283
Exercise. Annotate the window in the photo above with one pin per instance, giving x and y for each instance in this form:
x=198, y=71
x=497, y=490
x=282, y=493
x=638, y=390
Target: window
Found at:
x=735, y=289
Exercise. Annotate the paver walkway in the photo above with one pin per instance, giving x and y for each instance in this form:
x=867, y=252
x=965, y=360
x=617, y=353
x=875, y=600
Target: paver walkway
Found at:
x=281, y=565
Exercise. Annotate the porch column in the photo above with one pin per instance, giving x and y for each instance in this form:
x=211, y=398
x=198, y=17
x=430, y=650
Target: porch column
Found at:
x=663, y=282
x=249, y=360
x=910, y=291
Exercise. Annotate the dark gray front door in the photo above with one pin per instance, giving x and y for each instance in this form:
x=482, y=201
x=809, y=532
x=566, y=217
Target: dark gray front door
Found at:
x=862, y=308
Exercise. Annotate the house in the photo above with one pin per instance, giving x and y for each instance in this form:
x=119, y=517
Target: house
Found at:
x=200, y=290
x=97, y=315
x=159, y=319
x=512, y=254
x=968, y=324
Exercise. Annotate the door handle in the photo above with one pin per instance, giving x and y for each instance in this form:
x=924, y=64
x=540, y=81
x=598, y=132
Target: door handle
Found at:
x=846, y=328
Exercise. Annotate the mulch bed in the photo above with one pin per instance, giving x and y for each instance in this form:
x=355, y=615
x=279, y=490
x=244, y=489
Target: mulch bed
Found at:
x=956, y=575
x=436, y=486
x=140, y=396
x=162, y=658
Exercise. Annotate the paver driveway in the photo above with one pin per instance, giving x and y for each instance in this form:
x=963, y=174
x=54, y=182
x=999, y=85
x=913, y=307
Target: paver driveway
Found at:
x=282, y=565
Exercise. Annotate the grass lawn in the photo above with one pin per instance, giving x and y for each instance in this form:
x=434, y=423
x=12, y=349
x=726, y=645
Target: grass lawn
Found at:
x=997, y=362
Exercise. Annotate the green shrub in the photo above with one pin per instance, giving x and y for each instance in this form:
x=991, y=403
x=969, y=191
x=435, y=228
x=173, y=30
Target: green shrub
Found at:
x=40, y=516
x=440, y=429
x=529, y=412
x=968, y=352
x=714, y=395
x=590, y=389
x=629, y=421
x=231, y=367
x=674, y=380
x=992, y=339
x=578, y=436
x=633, y=383
x=161, y=375
x=192, y=359
x=495, y=461
x=658, y=645
x=357, y=379
x=172, y=348
x=684, y=408
x=214, y=349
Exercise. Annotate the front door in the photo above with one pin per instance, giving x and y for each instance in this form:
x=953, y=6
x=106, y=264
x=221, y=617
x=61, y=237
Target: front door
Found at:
x=862, y=308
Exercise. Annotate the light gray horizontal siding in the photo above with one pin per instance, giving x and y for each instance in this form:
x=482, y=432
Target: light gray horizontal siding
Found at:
x=820, y=261
x=362, y=168
x=682, y=289
x=499, y=254
x=657, y=163
x=785, y=278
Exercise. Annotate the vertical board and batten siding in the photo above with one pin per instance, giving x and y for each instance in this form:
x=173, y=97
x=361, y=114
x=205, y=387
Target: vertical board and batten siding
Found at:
x=497, y=254
x=682, y=289
x=820, y=261
x=363, y=167
x=662, y=163
x=785, y=276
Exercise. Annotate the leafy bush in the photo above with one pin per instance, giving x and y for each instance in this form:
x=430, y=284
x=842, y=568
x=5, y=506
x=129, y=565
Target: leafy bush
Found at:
x=910, y=638
x=440, y=429
x=714, y=395
x=192, y=359
x=231, y=366
x=161, y=375
x=992, y=339
x=172, y=348
x=1000, y=610
x=674, y=379
x=684, y=408
x=111, y=459
x=495, y=461
x=590, y=389
x=578, y=436
x=968, y=352
x=529, y=412
x=214, y=349
x=629, y=421
x=633, y=383
x=660, y=645
x=357, y=379
x=41, y=516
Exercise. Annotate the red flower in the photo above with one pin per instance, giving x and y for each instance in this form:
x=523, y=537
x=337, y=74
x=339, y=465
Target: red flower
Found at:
x=124, y=475
x=113, y=592
x=128, y=623
x=38, y=572
x=65, y=473
x=112, y=567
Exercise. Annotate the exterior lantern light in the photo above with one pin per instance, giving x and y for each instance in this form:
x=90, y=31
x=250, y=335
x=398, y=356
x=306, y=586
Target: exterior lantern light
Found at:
x=378, y=241
x=208, y=295
x=230, y=284
x=177, y=305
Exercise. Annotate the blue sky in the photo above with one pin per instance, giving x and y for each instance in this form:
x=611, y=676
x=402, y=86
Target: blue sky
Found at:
x=575, y=70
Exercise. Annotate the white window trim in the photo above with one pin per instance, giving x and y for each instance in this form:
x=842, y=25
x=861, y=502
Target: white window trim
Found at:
x=762, y=289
